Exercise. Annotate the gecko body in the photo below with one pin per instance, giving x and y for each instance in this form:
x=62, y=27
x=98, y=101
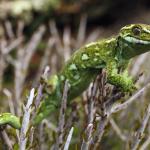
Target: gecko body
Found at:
x=112, y=54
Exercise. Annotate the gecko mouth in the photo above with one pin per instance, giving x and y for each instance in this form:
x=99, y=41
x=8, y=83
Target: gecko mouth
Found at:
x=131, y=39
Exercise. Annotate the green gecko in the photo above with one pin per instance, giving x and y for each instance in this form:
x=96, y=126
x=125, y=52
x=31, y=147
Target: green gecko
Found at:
x=113, y=54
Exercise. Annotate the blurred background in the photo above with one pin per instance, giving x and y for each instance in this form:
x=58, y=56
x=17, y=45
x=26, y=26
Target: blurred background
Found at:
x=39, y=33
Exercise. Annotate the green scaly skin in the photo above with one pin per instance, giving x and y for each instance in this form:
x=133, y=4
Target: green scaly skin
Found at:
x=8, y=118
x=113, y=54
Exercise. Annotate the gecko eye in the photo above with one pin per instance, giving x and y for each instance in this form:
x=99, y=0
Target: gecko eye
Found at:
x=136, y=30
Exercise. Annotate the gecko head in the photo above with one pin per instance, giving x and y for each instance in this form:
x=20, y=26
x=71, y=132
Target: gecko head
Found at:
x=134, y=40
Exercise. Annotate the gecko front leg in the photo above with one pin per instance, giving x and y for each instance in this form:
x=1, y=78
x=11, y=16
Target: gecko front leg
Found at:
x=121, y=80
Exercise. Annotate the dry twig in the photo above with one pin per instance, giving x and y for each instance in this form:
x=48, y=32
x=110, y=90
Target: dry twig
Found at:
x=26, y=121
x=119, y=107
x=66, y=147
x=6, y=139
x=91, y=113
x=61, y=122
x=117, y=130
x=145, y=144
x=140, y=132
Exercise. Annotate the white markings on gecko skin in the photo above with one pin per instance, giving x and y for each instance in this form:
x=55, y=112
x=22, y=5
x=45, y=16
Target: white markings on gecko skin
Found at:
x=76, y=77
x=109, y=40
x=95, y=59
x=90, y=44
x=72, y=67
x=146, y=30
x=136, y=41
x=85, y=57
